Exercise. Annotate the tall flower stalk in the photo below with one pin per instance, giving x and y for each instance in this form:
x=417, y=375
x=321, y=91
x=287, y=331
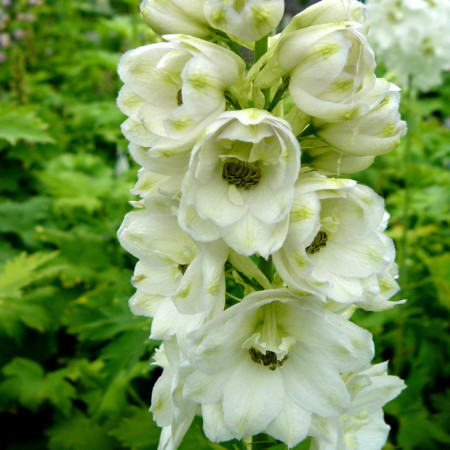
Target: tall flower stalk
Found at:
x=253, y=251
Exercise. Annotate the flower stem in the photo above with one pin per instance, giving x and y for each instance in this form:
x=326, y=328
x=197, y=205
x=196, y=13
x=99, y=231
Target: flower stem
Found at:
x=248, y=442
x=403, y=244
x=261, y=48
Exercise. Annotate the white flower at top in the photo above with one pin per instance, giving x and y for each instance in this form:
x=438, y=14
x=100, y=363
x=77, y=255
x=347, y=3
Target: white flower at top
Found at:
x=245, y=20
x=269, y=362
x=362, y=426
x=331, y=68
x=173, y=90
x=240, y=182
x=411, y=38
x=335, y=247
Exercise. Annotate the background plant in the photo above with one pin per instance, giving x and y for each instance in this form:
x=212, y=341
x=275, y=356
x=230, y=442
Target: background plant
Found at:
x=74, y=361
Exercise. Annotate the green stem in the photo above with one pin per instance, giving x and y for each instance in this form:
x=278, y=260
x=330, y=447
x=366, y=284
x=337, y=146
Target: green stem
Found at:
x=411, y=117
x=133, y=394
x=278, y=95
x=407, y=198
x=248, y=442
x=261, y=48
x=234, y=47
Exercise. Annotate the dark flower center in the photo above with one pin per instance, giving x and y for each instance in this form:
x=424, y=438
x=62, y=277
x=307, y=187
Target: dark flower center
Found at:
x=242, y=174
x=319, y=242
x=269, y=359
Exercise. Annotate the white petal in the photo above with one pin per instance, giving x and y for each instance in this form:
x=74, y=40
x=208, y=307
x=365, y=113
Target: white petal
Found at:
x=253, y=397
x=142, y=304
x=156, y=276
x=292, y=423
x=314, y=384
x=249, y=235
x=214, y=424
x=204, y=387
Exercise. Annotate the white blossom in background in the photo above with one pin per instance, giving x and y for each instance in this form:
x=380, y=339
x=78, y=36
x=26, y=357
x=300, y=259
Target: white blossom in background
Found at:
x=411, y=38
x=240, y=182
x=270, y=362
x=362, y=426
x=245, y=20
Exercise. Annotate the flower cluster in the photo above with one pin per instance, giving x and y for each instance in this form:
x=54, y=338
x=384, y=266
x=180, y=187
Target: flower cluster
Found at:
x=253, y=251
x=411, y=38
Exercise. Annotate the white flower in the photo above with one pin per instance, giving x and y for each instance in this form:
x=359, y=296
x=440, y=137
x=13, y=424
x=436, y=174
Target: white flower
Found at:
x=152, y=184
x=269, y=362
x=331, y=69
x=170, y=409
x=362, y=426
x=172, y=91
x=176, y=16
x=329, y=11
x=335, y=247
x=245, y=20
x=321, y=156
x=172, y=265
x=240, y=182
x=375, y=133
x=411, y=38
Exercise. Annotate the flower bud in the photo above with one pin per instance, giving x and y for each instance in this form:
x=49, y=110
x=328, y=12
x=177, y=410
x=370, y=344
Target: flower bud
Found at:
x=246, y=20
x=375, y=133
x=331, y=69
x=175, y=16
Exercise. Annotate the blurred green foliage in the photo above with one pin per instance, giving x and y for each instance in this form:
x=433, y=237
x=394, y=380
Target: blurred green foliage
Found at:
x=74, y=362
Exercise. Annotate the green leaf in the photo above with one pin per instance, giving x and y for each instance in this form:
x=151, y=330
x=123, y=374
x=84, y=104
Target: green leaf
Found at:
x=22, y=218
x=419, y=431
x=440, y=272
x=21, y=272
x=22, y=123
x=27, y=383
x=79, y=433
x=138, y=431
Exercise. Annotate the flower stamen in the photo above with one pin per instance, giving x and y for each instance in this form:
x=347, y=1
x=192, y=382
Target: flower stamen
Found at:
x=269, y=359
x=319, y=242
x=241, y=174
x=179, y=98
